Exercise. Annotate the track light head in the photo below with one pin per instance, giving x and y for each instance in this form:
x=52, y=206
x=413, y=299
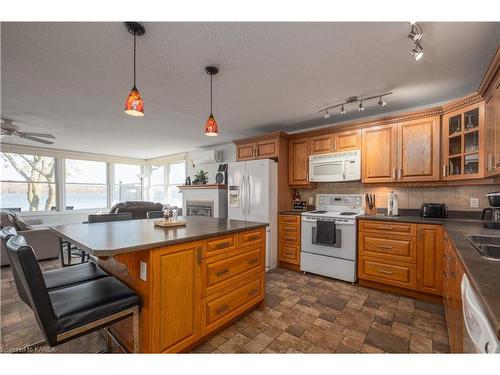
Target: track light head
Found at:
x=361, y=108
x=327, y=115
x=418, y=51
x=381, y=102
x=415, y=32
x=342, y=110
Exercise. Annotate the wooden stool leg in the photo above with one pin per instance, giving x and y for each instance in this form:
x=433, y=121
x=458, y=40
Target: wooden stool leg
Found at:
x=135, y=318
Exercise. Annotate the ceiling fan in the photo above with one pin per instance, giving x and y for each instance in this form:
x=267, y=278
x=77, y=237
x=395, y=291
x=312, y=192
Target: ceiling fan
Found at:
x=9, y=128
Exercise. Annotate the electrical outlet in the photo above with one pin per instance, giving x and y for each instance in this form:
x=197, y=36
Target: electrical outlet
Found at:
x=143, y=274
x=474, y=202
x=311, y=201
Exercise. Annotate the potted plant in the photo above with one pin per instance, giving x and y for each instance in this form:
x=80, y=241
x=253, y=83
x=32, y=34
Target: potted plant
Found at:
x=200, y=178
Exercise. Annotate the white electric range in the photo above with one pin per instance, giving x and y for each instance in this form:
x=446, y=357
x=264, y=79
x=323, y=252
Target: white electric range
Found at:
x=336, y=260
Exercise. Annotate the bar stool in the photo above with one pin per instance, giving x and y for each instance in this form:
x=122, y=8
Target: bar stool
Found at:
x=60, y=278
x=67, y=313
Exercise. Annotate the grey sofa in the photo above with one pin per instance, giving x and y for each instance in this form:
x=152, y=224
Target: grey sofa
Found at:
x=43, y=240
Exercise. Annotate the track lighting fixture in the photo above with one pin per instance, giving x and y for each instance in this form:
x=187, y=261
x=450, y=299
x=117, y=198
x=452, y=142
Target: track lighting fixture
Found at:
x=418, y=51
x=415, y=32
x=415, y=35
x=354, y=99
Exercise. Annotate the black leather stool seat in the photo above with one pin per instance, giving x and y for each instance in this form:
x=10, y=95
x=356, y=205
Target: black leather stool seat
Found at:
x=84, y=303
x=70, y=276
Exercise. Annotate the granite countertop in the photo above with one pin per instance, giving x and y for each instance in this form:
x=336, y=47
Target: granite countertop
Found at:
x=119, y=237
x=483, y=274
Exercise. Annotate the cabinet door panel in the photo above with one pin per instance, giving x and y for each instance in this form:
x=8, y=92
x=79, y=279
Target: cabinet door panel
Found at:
x=419, y=150
x=379, y=154
x=429, y=259
x=245, y=151
x=267, y=149
x=321, y=144
x=179, y=297
x=350, y=140
x=298, y=162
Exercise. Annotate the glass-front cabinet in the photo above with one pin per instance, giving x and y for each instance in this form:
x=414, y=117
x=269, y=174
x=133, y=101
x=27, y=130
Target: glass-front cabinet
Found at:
x=463, y=143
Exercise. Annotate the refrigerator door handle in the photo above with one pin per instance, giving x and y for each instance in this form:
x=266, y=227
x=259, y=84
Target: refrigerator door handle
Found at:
x=248, y=194
x=242, y=196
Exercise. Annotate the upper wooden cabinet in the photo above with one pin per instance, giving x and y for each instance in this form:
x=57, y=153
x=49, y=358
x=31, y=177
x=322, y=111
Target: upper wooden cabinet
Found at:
x=418, y=150
x=463, y=143
x=343, y=141
x=298, y=162
x=403, y=152
x=265, y=147
x=348, y=140
x=490, y=91
x=322, y=144
x=379, y=154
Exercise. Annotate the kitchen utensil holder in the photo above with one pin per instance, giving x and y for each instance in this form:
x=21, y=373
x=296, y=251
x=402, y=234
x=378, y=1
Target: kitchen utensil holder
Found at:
x=371, y=210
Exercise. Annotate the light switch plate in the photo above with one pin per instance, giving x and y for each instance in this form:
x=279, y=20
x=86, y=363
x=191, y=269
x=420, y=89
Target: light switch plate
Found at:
x=474, y=203
x=143, y=274
x=311, y=202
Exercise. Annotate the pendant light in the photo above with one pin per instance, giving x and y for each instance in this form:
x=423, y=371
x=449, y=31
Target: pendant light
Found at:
x=211, y=128
x=134, y=104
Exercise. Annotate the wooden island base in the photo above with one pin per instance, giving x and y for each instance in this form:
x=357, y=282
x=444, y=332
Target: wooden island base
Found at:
x=191, y=289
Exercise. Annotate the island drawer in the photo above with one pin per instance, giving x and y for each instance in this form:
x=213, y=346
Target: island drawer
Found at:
x=401, y=248
x=221, y=273
x=391, y=273
x=252, y=237
x=388, y=227
x=226, y=306
x=220, y=244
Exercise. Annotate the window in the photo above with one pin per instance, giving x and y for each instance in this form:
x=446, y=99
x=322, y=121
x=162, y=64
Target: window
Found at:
x=157, y=183
x=176, y=176
x=85, y=184
x=28, y=182
x=128, y=183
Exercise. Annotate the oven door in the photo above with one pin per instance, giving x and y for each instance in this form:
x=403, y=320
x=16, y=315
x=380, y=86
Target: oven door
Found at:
x=326, y=171
x=345, y=240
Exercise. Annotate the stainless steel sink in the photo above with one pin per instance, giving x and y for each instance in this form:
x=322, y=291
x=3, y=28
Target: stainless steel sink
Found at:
x=487, y=246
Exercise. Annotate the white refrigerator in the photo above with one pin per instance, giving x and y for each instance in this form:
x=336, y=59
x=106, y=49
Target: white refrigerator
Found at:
x=252, y=196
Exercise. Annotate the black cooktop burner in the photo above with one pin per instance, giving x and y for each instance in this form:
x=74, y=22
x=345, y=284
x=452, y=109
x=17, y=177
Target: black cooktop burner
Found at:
x=318, y=212
x=348, y=213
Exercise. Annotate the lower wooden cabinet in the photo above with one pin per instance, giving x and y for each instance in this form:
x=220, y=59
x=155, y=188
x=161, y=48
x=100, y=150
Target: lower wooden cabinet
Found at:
x=402, y=255
x=429, y=256
x=452, y=296
x=289, y=240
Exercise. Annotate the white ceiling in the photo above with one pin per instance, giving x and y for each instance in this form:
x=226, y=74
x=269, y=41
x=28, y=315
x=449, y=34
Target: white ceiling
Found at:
x=71, y=79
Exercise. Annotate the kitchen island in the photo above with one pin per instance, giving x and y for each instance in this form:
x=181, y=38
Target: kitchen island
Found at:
x=192, y=280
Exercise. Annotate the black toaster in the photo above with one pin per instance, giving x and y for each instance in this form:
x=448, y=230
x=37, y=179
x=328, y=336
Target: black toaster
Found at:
x=433, y=210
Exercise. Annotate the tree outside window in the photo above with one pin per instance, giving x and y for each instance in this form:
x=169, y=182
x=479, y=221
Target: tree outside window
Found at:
x=28, y=182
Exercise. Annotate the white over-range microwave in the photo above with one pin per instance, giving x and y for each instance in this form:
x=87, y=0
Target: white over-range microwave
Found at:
x=335, y=167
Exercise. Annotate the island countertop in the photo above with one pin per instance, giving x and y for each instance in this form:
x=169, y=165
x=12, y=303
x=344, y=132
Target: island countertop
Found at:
x=119, y=237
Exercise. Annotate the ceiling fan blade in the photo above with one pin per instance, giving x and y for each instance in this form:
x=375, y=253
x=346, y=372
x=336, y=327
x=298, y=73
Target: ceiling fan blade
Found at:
x=36, y=139
x=43, y=135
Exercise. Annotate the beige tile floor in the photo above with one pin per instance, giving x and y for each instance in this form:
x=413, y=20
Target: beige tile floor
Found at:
x=303, y=314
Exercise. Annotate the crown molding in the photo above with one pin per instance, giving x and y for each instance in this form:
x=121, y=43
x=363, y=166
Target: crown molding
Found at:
x=490, y=74
x=463, y=102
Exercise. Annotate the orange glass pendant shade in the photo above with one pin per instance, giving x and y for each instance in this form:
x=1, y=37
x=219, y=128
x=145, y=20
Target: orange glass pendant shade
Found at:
x=211, y=128
x=134, y=105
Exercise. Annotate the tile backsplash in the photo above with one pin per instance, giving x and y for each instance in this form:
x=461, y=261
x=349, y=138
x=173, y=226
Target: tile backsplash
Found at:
x=455, y=197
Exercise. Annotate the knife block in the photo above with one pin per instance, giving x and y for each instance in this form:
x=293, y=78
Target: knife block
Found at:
x=371, y=211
